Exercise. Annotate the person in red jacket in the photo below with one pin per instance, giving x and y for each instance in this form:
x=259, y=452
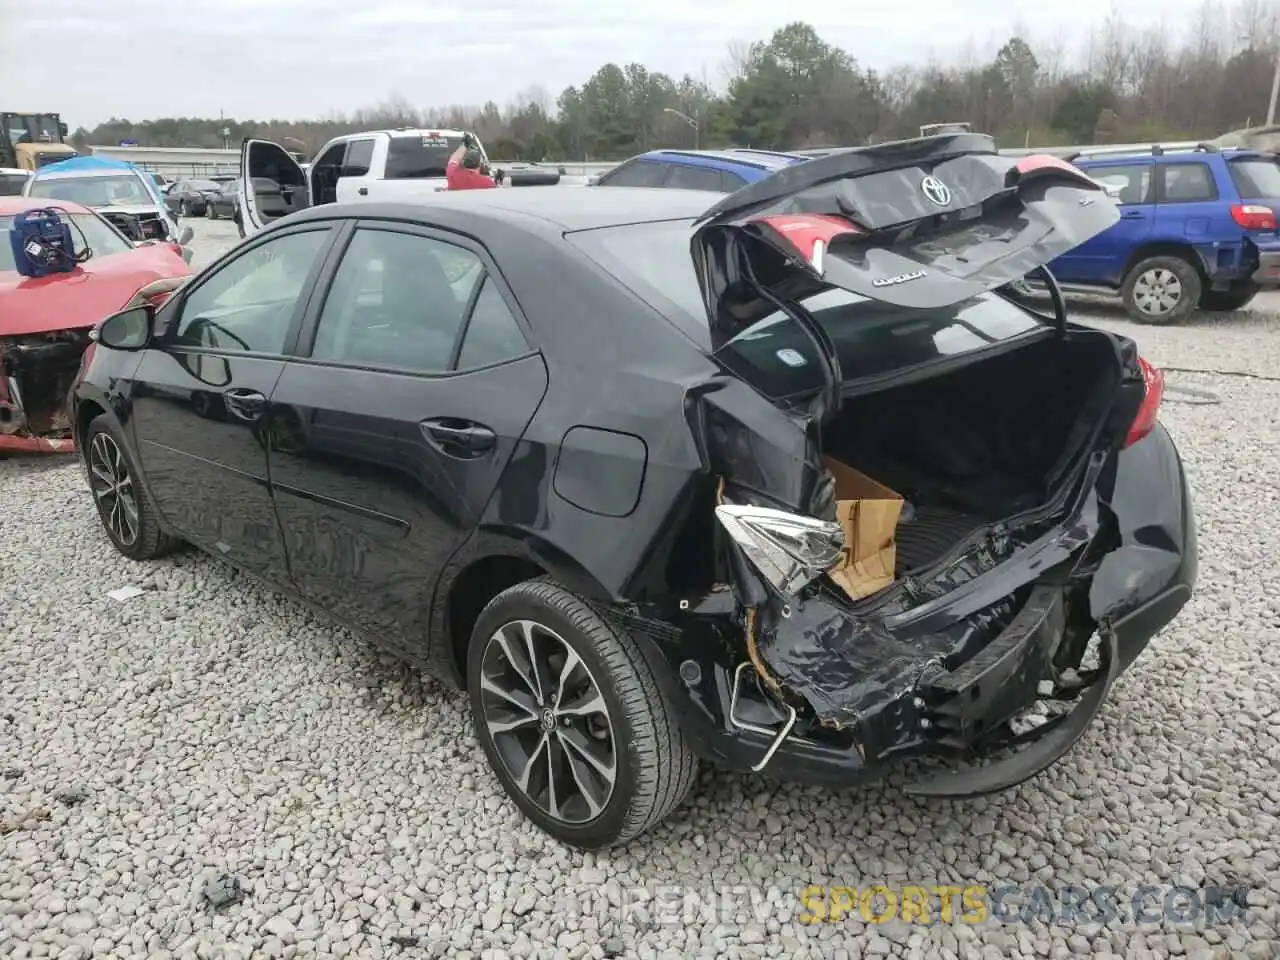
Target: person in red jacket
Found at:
x=466, y=169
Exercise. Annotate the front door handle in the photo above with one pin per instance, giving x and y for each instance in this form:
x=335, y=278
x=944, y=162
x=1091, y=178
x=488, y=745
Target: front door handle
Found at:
x=459, y=438
x=363, y=191
x=1132, y=215
x=245, y=404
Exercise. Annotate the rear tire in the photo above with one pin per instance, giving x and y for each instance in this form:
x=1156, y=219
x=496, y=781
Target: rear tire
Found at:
x=1238, y=296
x=128, y=515
x=1161, y=290
x=641, y=769
x=183, y=209
x=210, y=213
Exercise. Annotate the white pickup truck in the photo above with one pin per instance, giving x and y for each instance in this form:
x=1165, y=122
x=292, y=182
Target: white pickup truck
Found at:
x=373, y=165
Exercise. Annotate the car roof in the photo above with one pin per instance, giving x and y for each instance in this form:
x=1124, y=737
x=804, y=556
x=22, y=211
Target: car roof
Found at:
x=402, y=132
x=729, y=159
x=12, y=206
x=556, y=208
x=49, y=173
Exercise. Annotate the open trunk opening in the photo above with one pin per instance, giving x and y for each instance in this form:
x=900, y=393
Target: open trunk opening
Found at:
x=980, y=444
x=38, y=372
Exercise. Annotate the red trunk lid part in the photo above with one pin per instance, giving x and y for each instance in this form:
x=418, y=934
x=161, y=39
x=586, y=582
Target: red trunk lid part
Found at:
x=1042, y=164
x=810, y=233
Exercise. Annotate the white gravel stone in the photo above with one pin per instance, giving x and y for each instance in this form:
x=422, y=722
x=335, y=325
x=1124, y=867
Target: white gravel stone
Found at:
x=210, y=727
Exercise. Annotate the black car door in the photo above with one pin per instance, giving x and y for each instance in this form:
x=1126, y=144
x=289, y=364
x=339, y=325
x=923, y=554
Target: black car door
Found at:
x=414, y=383
x=201, y=394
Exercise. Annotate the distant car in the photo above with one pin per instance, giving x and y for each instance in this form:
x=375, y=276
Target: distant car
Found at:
x=1197, y=229
x=721, y=171
x=12, y=180
x=119, y=191
x=190, y=197
x=224, y=203
x=45, y=321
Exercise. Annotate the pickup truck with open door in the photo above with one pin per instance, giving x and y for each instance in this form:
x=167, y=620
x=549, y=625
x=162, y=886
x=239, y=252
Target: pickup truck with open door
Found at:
x=378, y=165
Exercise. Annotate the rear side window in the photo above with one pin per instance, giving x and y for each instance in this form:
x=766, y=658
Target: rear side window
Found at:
x=731, y=181
x=638, y=173
x=1186, y=183
x=492, y=334
x=688, y=177
x=1256, y=179
x=416, y=158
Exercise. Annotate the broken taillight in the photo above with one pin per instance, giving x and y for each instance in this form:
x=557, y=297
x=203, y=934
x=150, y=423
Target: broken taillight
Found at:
x=1253, y=216
x=1149, y=410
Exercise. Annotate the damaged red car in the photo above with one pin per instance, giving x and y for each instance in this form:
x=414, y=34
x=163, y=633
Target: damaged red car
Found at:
x=787, y=481
x=45, y=320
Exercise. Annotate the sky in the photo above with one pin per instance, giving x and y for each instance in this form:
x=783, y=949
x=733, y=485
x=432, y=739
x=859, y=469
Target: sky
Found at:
x=90, y=60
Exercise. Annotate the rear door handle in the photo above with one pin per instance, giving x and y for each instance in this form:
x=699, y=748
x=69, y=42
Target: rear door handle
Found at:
x=1132, y=215
x=458, y=438
x=363, y=191
x=245, y=404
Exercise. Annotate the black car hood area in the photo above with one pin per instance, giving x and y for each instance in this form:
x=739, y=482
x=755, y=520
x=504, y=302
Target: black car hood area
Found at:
x=916, y=223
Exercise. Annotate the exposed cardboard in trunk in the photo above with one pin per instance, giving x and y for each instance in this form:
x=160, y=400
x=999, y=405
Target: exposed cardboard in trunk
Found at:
x=869, y=513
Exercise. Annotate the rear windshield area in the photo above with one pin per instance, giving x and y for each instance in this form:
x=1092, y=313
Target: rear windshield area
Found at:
x=1256, y=178
x=414, y=158
x=774, y=355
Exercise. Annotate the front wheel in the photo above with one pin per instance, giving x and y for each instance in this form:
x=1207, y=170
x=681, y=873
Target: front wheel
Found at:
x=210, y=213
x=570, y=716
x=183, y=209
x=127, y=515
x=1161, y=290
x=1239, y=295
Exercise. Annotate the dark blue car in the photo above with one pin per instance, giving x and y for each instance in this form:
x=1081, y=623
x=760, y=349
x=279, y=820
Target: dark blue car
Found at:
x=720, y=171
x=1197, y=229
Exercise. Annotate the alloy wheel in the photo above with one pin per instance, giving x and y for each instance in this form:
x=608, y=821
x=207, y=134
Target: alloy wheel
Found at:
x=113, y=489
x=1157, y=291
x=548, y=721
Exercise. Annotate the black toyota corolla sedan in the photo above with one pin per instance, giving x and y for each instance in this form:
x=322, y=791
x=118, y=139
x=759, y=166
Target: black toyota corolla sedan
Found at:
x=786, y=481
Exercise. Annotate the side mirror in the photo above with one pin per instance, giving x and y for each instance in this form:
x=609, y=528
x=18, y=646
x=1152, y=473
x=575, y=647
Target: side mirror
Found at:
x=185, y=236
x=127, y=330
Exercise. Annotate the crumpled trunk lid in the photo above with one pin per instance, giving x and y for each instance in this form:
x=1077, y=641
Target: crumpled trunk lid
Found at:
x=916, y=223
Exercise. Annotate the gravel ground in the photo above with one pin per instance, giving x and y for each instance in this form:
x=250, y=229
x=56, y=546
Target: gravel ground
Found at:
x=208, y=727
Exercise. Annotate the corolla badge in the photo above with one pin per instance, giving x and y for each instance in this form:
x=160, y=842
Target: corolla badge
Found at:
x=900, y=278
x=935, y=191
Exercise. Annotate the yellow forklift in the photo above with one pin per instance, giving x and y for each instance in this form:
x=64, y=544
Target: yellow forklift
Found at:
x=29, y=141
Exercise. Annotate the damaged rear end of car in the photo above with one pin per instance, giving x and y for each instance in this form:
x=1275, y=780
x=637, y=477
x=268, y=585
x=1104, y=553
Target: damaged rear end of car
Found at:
x=944, y=521
x=37, y=372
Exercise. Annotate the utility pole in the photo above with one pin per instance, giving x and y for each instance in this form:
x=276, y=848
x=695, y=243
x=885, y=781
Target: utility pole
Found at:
x=691, y=121
x=1275, y=89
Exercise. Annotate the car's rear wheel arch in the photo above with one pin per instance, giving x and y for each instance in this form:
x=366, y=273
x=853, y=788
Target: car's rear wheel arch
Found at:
x=471, y=591
x=1165, y=248
x=502, y=564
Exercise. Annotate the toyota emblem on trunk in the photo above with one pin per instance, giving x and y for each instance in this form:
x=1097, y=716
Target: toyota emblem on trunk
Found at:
x=935, y=191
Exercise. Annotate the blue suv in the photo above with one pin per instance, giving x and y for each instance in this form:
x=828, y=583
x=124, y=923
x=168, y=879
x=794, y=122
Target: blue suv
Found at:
x=722, y=171
x=1197, y=229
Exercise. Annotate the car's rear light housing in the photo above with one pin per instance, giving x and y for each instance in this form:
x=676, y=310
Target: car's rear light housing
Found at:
x=1253, y=216
x=1149, y=410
